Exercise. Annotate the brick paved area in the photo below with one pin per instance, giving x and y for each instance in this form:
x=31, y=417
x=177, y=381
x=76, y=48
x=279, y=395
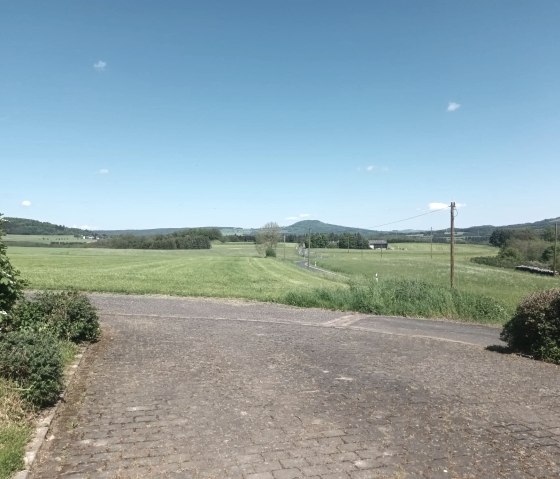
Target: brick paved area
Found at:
x=269, y=392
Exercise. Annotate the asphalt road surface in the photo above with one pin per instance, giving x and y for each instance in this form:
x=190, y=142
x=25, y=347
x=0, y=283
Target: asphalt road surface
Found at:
x=199, y=388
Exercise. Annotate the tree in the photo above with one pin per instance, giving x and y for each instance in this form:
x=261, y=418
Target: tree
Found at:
x=267, y=239
x=11, y=286
x=500, y=236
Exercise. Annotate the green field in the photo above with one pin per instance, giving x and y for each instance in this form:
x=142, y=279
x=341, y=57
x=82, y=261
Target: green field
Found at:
x=230, y=270
x=235, y=270
x=414, y=261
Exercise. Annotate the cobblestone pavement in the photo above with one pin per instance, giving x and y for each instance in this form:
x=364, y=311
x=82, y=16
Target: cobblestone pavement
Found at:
x=222, y=389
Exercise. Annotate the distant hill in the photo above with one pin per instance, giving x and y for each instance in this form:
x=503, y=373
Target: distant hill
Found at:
x=24, y=226
x=303, y=227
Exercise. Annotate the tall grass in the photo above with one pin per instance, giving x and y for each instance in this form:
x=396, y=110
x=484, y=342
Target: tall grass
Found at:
x=416, y=262
x=15, y=429
x=403, y=298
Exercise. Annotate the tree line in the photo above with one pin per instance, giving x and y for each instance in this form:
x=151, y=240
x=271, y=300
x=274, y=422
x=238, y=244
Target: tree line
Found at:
x=192, y=238
x=521, y=246
x=24, y=226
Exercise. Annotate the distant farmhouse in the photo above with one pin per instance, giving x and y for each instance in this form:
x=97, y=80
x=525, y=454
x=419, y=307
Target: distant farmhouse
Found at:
x=378, y=244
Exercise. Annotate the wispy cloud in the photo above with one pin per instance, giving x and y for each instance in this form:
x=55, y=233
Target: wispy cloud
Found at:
x=441, y=206
x=301, y=216
x=100, y=66
x=373, y=168
x=26, y=203
x=452, y=106
x=437, y=206
x=103, y=171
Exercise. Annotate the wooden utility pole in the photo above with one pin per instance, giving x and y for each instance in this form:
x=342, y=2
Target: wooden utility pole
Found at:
x=431, y=243
x=309, y=249
x=452, y=245
x=555, y=243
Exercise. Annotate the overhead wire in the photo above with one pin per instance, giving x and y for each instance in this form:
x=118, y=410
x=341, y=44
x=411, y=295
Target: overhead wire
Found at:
x=410, y=218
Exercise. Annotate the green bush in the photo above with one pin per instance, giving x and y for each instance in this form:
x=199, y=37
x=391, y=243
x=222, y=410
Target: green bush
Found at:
x=535, y=327
x=68, y=315
x=270, y=252
x=33, y=361
x=25, y=315
x=11, y=285
x=497, y=261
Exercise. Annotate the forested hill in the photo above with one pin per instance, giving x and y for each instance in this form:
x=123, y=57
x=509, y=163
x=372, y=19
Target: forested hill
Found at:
x=32, y=227
x=24, y=226
x=302, y=228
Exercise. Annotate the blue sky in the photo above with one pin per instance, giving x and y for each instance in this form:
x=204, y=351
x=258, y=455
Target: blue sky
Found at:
x=144, y=114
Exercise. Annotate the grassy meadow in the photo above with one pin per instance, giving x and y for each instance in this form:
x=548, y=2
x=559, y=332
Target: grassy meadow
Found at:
x=414, y=261
x=235, y=270
x=227, y=270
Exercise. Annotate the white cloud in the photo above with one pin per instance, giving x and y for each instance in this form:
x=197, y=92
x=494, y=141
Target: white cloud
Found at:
x=440, y=206
x=452, y=106
x=103, y=171
x=437, y=206
x=373, y=168
x=299, y=217
x=26, y=203
x=100, y=66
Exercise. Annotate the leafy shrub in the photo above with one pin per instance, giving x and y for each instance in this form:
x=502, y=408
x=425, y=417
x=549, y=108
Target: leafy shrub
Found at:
x=510, y=253
x=270, y=252
x=11, y=285
x=26, y=315
x=33, y=361
x=535, y=327
x=495, y=261
x=548, y=254
x=68, y=315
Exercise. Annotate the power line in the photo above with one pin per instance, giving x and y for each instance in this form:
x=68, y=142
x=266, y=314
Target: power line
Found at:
x=411, y=217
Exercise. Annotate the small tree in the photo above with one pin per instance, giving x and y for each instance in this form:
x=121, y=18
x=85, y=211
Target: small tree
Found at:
x=267, y=239
x=11, y=286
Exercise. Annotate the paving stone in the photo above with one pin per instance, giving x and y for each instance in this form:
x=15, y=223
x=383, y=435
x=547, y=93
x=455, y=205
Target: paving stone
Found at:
x=287, y=474
x=170, y=392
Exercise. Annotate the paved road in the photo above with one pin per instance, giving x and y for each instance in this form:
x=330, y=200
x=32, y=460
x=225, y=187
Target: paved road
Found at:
x=198, y=388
